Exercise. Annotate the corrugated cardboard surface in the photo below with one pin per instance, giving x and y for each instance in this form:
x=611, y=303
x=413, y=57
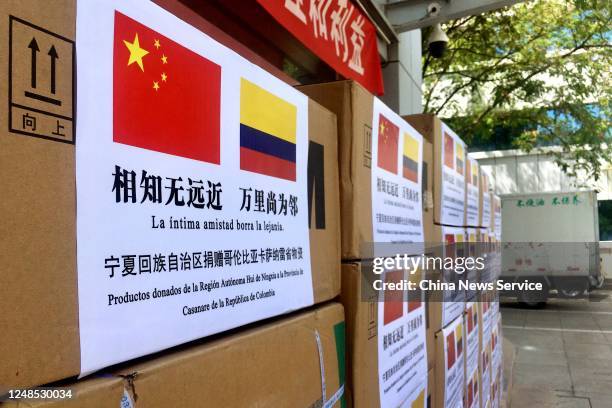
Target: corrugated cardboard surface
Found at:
x=361, y=307
x=39, y=338
x=275, y=365
x=434, y=308
x=430, y=126
x=361, y=339
x=103, y=392
x=428, y=197
x=439, y=365
x=481, y=383
x=353, y=107
x=325, y=228
x=431, y=386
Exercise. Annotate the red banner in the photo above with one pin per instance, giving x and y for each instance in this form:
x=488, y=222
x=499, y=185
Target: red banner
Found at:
x=337, y=32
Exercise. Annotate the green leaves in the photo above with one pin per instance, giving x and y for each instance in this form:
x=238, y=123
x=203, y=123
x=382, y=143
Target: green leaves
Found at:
x=536, y=74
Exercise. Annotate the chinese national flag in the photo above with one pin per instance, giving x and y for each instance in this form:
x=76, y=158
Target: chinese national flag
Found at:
x=388, y=139
x=450, y=350
x=394, y=299
x=166, y=98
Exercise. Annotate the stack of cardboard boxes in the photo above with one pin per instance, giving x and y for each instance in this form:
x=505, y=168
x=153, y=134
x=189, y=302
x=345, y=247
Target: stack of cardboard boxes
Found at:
x=387, y=349
x=296, y=360
x=391, y=349
x=464, y=221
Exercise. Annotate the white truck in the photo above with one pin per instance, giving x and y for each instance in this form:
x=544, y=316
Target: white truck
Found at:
x=552, y=239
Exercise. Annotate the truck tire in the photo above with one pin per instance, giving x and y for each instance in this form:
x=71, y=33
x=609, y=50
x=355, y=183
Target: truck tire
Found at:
x=535, y=299
x=570, y=293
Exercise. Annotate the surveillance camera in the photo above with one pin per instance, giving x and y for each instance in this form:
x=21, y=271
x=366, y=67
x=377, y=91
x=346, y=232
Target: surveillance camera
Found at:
x=433, y=9
x=437, y=42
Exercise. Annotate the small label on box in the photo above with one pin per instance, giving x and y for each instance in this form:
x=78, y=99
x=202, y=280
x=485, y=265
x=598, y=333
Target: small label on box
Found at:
x=40, y=82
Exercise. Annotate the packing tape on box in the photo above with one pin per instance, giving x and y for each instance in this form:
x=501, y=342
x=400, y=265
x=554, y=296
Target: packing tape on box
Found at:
x=327, y=403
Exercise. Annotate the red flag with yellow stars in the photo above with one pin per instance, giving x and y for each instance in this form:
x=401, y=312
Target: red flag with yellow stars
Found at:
x=388, y=139
x=166, y=98
x=394, y=299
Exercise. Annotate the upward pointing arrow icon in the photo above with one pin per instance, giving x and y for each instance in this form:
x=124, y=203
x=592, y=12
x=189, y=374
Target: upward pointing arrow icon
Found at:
x=34, y=47
x=54, y=56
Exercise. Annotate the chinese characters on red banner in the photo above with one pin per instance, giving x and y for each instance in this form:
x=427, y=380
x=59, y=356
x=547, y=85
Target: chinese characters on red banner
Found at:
x=337, y=32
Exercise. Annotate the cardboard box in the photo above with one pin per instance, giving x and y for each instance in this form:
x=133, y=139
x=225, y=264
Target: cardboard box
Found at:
x=484, y=375
x=284, y=363
x=475, y=249
x=473, y=194
x=443, y=308
x=367, y=336
x=485, y=199
x=449, y=365
x=324, y=228
x=39, y=342
x=449, y=168
x=431, y=386
x=486, y=316
x=99, y=392
x=354, y=107
x=470, y=325
x=496, y=362
x=428, y=196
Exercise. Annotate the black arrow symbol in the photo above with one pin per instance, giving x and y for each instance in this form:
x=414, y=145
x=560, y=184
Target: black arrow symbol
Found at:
x=54, y=56
x=34, y=47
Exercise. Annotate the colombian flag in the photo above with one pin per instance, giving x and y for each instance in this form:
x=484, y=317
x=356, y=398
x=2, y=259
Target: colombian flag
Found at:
x=410, y=164
x=267, y=132
x=460, y=248
x=468, y=173
x=419, y=401
x=460, y=158
x=459, y=337
x=448, y=151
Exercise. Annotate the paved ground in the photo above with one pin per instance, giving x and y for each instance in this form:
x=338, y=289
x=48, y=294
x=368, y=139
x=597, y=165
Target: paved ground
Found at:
x=563, y=352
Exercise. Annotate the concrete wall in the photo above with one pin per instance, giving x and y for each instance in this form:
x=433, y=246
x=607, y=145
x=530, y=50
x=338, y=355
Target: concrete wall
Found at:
x=402, y=75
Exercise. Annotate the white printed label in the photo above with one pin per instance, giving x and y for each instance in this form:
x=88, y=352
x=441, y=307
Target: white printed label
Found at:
x=397, y=157
x=486, y=314
x=453, y=178
x=485, y=376
x=126, y=400
x=471, y=330
x=472, y=179
x=486, y=199
x=454, y=355
x=402, y=350
x=192, y=214
x=498, y=218
x=453, y=300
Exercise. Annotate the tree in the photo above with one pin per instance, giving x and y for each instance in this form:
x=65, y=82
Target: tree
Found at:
x=540, y=70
